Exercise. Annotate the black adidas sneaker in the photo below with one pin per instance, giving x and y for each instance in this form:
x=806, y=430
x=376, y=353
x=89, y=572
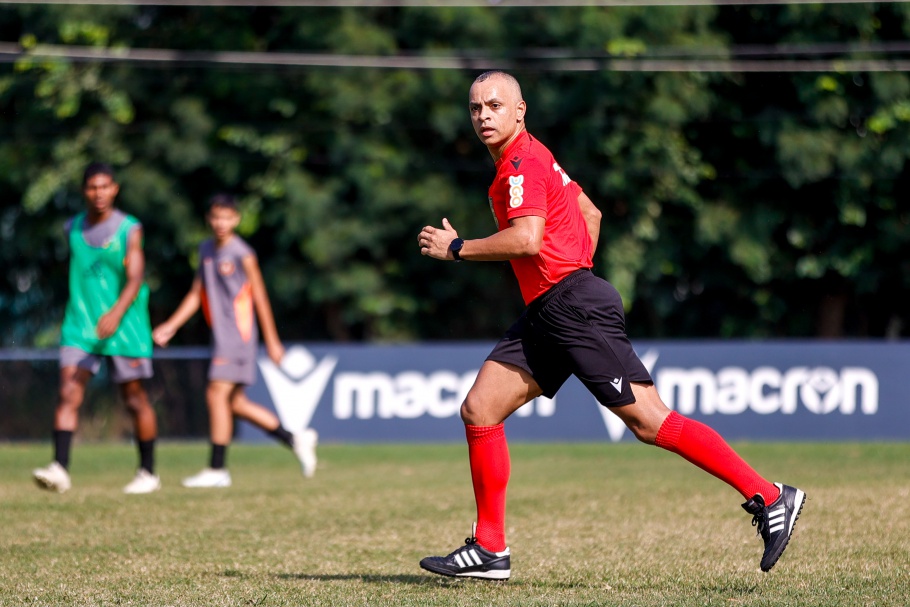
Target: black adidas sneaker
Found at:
x=775, y=522
x=471, y=560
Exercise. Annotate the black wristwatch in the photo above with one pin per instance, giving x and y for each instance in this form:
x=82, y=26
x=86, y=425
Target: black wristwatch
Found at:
x=455, y=246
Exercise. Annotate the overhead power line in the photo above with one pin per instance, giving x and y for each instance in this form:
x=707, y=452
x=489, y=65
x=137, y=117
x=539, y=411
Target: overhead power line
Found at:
x=540, y=62
x=444, y=3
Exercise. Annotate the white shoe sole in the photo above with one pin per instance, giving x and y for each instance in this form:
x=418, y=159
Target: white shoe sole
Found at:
x=48, y=484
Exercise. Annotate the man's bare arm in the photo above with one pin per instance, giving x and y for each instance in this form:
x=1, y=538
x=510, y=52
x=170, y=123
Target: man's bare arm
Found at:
x=592, y=217
x=163, y=333
x=522, y=238
x=263, y=309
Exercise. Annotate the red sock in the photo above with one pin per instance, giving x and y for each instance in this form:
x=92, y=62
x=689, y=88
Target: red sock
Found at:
x=490, y=468
x=706, y=449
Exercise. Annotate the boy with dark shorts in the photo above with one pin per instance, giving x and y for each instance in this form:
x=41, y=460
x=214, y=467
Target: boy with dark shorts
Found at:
x=230, y=290
x=573, y=324
x=106, y=317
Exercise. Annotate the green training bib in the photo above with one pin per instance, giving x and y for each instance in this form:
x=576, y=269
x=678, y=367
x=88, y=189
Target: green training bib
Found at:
x=97, y=276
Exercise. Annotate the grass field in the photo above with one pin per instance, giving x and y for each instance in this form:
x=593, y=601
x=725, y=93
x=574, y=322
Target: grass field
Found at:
x=588, y=525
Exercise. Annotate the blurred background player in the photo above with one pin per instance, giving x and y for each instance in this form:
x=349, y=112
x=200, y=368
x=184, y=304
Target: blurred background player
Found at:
x=106, y=316
x=573, y=325
x=229, y=288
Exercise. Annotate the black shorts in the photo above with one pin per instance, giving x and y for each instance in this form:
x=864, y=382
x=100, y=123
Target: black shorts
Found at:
x=577, y=327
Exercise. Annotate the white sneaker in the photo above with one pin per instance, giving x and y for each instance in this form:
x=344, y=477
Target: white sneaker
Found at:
x=143, y=482
x=305, y=450
x=53, y=477
x=209, y=477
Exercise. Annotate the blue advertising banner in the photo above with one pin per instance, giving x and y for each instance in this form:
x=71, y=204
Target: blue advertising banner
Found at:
x=756, y=391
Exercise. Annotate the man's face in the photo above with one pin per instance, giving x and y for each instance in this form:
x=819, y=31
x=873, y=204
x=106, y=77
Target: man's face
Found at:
x=223, y=221
x=497, y=112
x=100, y=191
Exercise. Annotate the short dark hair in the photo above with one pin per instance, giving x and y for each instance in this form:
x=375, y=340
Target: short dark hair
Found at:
x=97, y=168
x=223, y=201
x=490, y=73
x=512, y=80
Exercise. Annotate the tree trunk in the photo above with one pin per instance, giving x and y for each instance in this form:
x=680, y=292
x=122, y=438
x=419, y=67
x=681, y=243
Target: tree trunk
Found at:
x=831, y=313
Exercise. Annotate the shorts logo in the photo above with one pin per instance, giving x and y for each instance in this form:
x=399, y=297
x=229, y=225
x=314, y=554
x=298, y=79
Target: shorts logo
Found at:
x=516, y=191
x=226, y=268
x=617, y=384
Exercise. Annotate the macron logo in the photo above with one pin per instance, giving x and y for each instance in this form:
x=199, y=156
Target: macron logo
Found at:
x=617, y=383
x=616, y=428
x=297, y=386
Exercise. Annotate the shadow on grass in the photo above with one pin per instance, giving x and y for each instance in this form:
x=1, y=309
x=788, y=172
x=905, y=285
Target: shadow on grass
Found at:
x=417, y=580
x=733, y=588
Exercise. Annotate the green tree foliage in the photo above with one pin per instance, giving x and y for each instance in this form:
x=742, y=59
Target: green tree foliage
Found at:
x=735, y=204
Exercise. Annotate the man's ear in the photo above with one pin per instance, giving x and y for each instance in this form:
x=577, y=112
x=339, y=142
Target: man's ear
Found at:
x=522, y=106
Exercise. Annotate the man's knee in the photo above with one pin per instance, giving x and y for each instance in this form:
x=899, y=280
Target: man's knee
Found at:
x=70, y=395
x=134, y=396
x=646, y=415
x=238, y=404
x=71, y=391
x=643, y=432
x=472, y=409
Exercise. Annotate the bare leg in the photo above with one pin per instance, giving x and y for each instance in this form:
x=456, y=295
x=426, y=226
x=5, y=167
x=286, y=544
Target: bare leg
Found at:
x=73, y=381
x=218, y=400
x=497, y=392
x=137, y=402
x=145, y=425
x=654, y=424
x=244, y=408
x=646, y=415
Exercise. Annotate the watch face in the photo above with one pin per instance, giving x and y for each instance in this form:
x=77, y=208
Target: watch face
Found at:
x=455, y=247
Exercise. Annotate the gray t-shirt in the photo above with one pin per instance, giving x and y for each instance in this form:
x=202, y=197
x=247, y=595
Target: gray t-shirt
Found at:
x=100, y=234
x=228, y=299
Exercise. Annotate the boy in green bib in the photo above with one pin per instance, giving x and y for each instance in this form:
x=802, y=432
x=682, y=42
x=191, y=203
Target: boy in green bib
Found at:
x=106, y=317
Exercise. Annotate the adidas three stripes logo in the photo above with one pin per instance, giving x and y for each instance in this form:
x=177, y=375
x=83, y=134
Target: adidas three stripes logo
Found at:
x=468, y=558
x=777, y=519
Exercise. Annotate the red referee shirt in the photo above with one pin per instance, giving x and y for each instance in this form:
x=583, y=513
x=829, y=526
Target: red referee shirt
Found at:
x=530, y=182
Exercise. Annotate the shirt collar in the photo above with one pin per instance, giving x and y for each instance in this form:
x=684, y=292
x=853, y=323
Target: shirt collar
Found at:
x=522, y=138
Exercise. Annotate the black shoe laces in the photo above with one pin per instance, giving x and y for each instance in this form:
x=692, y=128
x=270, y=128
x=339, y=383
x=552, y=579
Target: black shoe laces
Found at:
x=758, y=520
x=469, y=541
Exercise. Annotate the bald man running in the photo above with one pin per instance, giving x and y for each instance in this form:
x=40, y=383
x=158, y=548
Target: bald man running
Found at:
x=574, y=324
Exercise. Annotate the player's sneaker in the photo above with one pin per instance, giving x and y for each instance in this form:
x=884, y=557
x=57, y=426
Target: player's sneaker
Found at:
x=209, y=477
x=52, y=477
x=471, y=560
x=143, y=482
x=775, y=522
x=305, y=449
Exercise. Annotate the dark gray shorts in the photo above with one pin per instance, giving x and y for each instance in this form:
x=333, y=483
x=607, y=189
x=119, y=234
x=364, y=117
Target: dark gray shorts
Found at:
x=122, y=368
x=233, y=370
x=576, y=328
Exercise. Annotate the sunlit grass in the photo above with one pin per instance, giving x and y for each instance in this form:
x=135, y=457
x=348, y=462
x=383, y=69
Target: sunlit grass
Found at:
x=588, y=524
